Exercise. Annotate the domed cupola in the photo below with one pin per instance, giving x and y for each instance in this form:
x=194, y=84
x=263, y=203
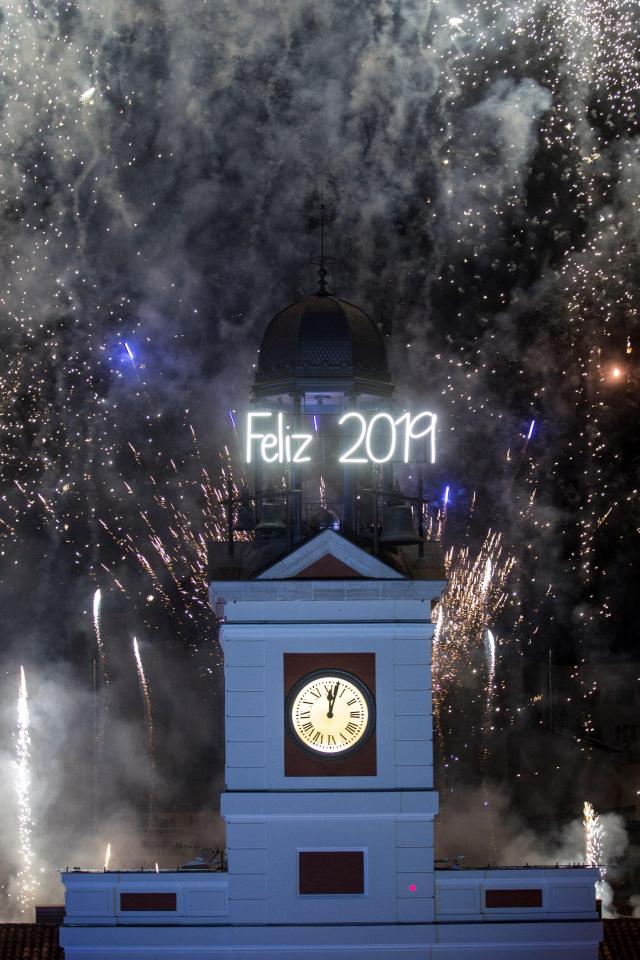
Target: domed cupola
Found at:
x=321, y=358
x=322, y=343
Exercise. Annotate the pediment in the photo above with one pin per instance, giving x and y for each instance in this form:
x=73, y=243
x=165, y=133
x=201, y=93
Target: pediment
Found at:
x=329, y=556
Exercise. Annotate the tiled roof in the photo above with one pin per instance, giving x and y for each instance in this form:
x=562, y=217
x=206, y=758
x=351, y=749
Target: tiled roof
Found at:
x=621, y=939
x=29, y=941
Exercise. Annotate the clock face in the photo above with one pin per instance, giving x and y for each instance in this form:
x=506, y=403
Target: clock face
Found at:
x=330, y=713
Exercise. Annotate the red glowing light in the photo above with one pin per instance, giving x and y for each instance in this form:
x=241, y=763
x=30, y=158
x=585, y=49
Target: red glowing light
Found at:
x=412, y=887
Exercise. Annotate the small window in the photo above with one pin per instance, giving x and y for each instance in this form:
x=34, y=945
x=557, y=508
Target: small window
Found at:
x=330, y=872
x=148, y=901
x=513, y=899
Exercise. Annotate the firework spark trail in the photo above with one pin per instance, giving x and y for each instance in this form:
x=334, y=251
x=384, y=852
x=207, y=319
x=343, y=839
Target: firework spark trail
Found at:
x=584, y=55
x=579, y=52
x=97, y=601
x=475, y=594
x=437, y=700
x=27, y=883
x=574, y=47
x=490, y=646
x=176, y=566
x=487, y=730
x=107, y=857
x=594, y=836
x=146, y=697
x=104, y=672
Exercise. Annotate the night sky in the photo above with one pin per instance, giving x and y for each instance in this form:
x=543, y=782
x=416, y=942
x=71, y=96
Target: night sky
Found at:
x=161, y=170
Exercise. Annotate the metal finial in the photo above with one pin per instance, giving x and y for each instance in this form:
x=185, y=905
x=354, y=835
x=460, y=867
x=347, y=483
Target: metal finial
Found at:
x=322, y=259
x=322, y=289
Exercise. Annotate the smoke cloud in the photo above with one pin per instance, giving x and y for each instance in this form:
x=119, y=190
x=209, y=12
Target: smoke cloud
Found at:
x=161, y=169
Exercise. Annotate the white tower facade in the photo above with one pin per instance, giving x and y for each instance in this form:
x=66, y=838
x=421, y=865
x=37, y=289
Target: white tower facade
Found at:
x=329, y=836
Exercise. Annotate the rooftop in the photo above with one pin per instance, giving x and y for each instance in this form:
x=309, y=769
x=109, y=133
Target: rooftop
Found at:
x=251, y=558
x=29, y=941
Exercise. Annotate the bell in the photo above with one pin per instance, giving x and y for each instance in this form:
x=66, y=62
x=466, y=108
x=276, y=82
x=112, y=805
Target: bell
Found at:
x=323, y=519
x=397, y=526
x=271, y=524
x=246, y=519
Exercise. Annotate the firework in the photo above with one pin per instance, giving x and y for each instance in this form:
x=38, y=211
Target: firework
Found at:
x=490, y=648
x=27, y=883
x=146, y=697
x=169, y=544
x=475, y=594
x=106, y=678
x=62, y=457
x=487, y=730
x=593, y=837
x=107, y=857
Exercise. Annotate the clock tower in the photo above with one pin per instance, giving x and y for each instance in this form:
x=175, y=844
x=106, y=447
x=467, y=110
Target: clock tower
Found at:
x=329, y=800
x=324, y=592
x=326, y=633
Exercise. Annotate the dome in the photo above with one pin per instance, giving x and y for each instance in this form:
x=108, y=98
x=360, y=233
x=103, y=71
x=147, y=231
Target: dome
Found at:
x=322, y=337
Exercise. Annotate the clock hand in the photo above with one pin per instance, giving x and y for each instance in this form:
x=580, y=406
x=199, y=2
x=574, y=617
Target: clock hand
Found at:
x=331, y=697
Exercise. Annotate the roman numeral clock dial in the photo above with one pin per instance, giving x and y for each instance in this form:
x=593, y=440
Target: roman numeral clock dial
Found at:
x=330, y=714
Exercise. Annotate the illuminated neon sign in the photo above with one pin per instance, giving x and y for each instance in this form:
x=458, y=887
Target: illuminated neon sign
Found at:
x=379, y=439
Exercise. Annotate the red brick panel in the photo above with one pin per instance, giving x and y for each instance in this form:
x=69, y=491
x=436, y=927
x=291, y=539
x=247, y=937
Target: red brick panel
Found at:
x=148, y=901
x=331, y=871
x=328, y=567
x=513, y=898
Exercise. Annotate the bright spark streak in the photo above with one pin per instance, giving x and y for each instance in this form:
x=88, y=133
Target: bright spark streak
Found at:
x=107, y=857
x=97, y=598
x=27, y=883
x=474, y=597
x=531, y=428
x=486, y=580
x=593, y=841
x=490, y=642
x=100, y=728
x=146, y=697
x=232, y=418
x=129, y=351
x=446, y=496
x=315, y=423
x=490, y=652
x=87, y=94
